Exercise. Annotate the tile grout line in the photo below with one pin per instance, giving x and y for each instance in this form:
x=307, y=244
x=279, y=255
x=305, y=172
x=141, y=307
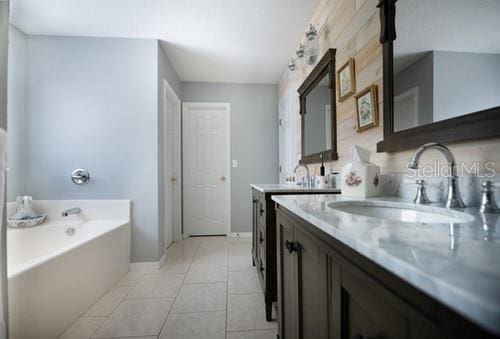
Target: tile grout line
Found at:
x=124, y=298
x=180, y=288
x=121, y=301
x=227, y=285
x=103, y=316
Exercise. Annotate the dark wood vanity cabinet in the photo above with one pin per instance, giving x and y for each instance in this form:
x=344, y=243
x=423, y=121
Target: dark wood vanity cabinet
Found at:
x=264, y=242
x=264, y=246
x=326, y=290
x=303, y=301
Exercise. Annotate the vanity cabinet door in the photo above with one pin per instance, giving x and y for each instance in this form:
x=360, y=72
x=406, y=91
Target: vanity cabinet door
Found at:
x=366, y=315
x=312, y=287
x=287, y=279
x=255, y=227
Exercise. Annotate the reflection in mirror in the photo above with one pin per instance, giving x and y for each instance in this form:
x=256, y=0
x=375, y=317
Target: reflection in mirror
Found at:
x=446, y=60
x=317, y=122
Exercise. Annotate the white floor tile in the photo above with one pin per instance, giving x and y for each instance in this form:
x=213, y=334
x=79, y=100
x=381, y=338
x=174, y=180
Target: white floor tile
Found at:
x=247, y=312
x=83, y=328
x=201, y=298
x=132, y=278
x=192, y=286
x=240, y=263
x=176, y=265
x=206, y=274
x=135, y=317
x=202, y=325
x=157, y=286
x=266, y=334
x=210, y=259
x=185, y=248
x=244, y=282
x=243, y=249
x=109, y=301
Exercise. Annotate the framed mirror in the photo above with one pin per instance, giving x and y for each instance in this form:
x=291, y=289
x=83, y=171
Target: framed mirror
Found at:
x=318, y=112
x=441, y=71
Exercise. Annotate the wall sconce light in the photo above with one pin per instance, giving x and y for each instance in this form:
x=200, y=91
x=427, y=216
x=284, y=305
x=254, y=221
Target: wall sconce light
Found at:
x=311, y=47
x=300, y=51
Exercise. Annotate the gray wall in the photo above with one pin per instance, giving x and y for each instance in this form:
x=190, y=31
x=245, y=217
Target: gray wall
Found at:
x=4, y=29
x=17, y=119
x=4, y=24
x=165, y=71
x=465, y=83
x=92, y=103
x=254, y=139
x=419, y=74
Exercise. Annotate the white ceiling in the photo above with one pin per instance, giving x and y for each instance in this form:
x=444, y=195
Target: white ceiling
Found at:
x=243, y=41
x=445, y=25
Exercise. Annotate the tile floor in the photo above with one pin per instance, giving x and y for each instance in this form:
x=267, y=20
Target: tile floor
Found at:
x=207, y=288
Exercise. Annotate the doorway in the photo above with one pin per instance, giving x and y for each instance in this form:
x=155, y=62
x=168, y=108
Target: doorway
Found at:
x=206, y=172
x=171, y=164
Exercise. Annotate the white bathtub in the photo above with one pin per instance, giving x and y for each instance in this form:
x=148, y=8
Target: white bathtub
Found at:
x=55, y=277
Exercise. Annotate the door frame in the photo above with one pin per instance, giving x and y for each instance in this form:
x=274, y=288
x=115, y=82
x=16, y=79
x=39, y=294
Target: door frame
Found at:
x=168, y=91
x=227, y=107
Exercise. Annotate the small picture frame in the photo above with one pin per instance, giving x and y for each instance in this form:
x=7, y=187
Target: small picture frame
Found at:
x=346, y=80
x=367, y=108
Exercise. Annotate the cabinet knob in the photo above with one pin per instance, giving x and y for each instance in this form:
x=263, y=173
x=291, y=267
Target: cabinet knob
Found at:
x=291, y=246
x=254, y=200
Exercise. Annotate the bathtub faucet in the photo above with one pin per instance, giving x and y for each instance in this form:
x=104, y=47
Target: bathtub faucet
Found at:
x=74, y=210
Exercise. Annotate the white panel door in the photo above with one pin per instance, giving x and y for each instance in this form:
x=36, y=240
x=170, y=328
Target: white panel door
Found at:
x=206, y=168
x=288, y=110
x=172, y=164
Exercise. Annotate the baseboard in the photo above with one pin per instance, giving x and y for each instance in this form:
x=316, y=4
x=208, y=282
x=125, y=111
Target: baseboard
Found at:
x=241, y=235
x=148, y=265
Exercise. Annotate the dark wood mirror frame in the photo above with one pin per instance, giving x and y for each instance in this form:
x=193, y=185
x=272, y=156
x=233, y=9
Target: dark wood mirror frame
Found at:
x=475, y=125
x=326, y=65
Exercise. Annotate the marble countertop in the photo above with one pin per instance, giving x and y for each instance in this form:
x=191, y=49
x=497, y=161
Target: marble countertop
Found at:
x=457, y=264
x=283, y=188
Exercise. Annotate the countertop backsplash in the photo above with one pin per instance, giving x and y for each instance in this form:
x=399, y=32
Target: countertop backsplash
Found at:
x=396, y=184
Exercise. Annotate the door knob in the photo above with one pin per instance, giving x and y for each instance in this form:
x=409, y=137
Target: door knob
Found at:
x=173, y=179
x=223, y=178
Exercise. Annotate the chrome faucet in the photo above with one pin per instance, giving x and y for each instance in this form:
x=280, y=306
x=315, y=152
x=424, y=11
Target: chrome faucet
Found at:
x=74, y=210
x=453, y=199
x=307, y=170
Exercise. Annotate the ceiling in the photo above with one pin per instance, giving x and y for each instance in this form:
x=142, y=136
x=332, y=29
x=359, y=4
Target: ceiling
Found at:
x=445, y=25
x=240, y=41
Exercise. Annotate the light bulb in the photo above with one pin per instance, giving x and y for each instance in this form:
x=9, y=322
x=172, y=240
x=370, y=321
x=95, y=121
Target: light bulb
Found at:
x=311, y=48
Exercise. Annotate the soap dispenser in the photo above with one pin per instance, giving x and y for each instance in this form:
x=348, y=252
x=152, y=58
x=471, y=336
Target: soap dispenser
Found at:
x=360, y=178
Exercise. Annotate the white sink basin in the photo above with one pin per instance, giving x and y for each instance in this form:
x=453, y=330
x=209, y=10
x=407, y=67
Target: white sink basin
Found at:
x=402, y=212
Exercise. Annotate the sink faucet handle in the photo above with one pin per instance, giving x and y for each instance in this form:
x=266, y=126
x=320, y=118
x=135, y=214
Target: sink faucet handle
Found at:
x=488, y=203
x=421, y=197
